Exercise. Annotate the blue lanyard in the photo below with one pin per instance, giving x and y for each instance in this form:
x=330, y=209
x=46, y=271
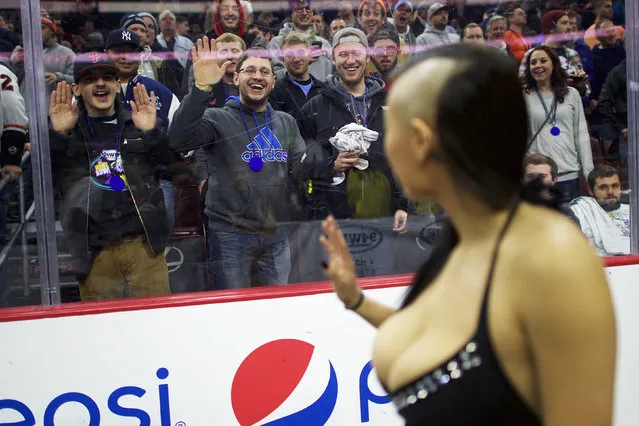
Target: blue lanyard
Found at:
x=365, y=115
x=554, y=107
x=100, y=150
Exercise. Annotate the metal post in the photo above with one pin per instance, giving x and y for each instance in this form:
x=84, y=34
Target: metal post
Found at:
x=25, y=263
x=41, y=155
x=632, y=63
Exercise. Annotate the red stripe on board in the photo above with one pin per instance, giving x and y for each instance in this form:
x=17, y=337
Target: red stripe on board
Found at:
x=225, y=296
x=191, y=299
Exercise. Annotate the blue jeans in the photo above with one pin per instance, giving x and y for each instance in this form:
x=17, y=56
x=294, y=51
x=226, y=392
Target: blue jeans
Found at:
x=169, y=202
x=569, y=189
x=242, y=260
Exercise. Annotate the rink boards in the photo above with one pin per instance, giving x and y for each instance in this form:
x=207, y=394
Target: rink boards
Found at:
x=280, y=356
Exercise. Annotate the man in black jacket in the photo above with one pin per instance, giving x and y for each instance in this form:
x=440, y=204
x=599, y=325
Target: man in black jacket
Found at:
x=350, y=97
x=613, y=107
x=297, y=86
x=104, y=161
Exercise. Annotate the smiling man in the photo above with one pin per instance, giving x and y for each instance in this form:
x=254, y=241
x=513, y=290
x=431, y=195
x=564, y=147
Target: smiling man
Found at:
x=105, y=160
x=371, y=16
x=350, y=97
x=123, y=47
x=297, y=86
x=255, y=152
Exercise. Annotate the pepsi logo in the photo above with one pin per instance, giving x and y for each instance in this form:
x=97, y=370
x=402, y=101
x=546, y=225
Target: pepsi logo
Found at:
x=271, y=386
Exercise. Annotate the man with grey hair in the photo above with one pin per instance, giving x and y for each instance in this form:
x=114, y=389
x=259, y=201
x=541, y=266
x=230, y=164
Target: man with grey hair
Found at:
x=495, y=30
x=171, y=40
x=435, y=33
x=350, y=98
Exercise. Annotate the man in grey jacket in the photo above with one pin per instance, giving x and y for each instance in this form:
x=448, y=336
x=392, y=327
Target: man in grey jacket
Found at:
x=58, y=60
x=435, y=34
x=256, y=153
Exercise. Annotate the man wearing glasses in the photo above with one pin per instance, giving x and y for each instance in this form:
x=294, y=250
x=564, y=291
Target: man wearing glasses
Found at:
x=257, y=153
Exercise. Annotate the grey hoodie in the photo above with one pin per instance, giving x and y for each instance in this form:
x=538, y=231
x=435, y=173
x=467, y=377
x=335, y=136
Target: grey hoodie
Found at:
x=434, y=37
x=238, y=198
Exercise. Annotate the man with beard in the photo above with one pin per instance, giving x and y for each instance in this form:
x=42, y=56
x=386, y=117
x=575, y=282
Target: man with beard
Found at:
x=297, y=86
x=385, y=47
x=435, y=33
x=604, y=220
x=104, y=162
x=403, y=11
x=301, y=22
x=254, y=151
x=350, y=97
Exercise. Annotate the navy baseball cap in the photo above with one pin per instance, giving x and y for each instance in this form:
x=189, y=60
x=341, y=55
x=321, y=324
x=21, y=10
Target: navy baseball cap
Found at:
x=86, y=62
x=122, y=37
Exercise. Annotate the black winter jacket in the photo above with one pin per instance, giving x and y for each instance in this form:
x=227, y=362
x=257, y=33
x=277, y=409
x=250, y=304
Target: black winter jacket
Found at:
x=288, y=97
x=143, y=153
x=319, y=120
x=613, y=101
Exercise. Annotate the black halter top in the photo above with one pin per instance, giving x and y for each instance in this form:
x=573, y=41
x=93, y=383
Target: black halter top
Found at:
x=470, y=388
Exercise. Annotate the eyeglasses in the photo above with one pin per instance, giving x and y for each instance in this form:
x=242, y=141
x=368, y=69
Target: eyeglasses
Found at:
x=251, y=72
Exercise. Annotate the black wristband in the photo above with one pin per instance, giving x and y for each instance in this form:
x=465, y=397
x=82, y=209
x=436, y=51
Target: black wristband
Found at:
x=357, y=304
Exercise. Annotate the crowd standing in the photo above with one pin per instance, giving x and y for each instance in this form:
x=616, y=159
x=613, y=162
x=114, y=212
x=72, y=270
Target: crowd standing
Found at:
x=238, y=122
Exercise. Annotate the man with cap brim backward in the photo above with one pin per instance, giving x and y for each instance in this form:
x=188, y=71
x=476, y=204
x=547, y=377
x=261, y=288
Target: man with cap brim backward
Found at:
x=301, y=22
x=402, y=13
x=350, y=97
x=255, y=152
x=58, y=60
x=436, y=34
x=556, y=28
x=104, y=162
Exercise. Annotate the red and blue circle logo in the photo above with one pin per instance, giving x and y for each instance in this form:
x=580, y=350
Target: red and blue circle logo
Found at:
x=272, y=385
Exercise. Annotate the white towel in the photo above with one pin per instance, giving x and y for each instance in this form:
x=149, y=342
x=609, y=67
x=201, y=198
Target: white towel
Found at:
x=599, y=227
x=353, y=137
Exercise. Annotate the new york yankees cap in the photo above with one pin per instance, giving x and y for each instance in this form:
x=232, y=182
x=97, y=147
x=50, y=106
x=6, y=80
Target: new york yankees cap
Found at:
x=86, y=62
x=122, y=37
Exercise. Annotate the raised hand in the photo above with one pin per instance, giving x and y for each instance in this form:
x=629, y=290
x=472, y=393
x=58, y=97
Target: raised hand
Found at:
x=206, y=71
x=143, y=110
x=340, y=267
x=63, y=112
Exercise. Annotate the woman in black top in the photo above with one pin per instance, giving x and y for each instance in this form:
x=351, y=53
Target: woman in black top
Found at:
x=510, y=322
